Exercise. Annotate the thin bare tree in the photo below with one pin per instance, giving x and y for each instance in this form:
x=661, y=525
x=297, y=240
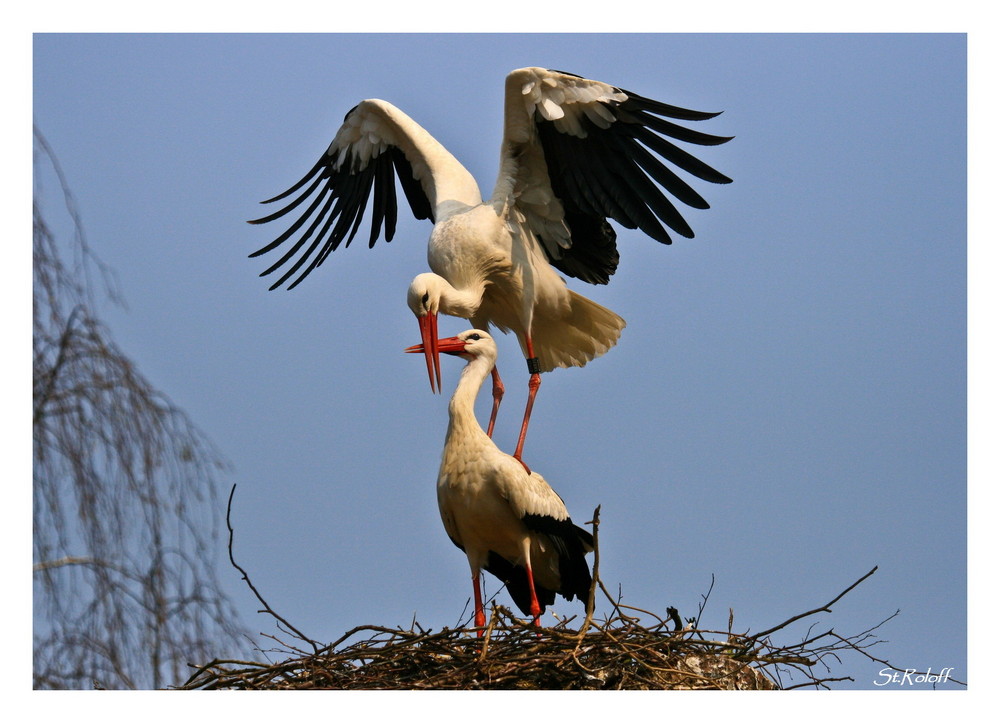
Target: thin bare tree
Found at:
x=126, y=511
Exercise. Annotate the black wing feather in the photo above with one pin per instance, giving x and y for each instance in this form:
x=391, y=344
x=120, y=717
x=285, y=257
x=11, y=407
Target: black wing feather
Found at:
x=621, y=173
x=359, y=201
x=638, y=102
x=323, y=214
x=385, y=199
x=643, y=202
x=281, y=212
x=351, y=186
x=330, y=242
x=681, y=158
x=414, y=192
x=321, y=165
x=675, y=131
x=572, y=543
x=594, y=256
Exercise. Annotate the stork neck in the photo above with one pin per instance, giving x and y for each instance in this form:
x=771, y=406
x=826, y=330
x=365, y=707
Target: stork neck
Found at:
x=461, y=302
x=462, y=407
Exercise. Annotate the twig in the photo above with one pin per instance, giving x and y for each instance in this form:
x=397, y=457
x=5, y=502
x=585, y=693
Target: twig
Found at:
x=246, y=578
x=594, y=576
x=487, y=636
x=704, y=602
x=822, y=609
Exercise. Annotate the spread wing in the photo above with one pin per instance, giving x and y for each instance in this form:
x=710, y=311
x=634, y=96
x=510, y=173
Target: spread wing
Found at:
x=577, y=152
x=376, y=144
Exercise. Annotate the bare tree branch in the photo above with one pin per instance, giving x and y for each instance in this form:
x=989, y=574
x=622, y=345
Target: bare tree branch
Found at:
x=246, y=579
x=126, y=510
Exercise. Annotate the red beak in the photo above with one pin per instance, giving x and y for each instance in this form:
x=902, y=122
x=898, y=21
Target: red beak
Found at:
x=429, y=346
x=432, y=346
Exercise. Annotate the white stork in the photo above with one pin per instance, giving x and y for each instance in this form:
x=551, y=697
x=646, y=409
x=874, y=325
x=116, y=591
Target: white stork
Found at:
x=575, y=152
x=506, y=519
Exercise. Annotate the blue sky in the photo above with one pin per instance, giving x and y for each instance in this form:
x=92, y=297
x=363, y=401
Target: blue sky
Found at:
x=786, y=409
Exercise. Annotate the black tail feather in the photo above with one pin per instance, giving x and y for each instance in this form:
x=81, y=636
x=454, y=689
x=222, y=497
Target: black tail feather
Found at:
x=572, y=543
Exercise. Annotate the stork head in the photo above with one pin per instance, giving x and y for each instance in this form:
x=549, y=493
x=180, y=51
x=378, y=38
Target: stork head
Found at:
x=470, y=345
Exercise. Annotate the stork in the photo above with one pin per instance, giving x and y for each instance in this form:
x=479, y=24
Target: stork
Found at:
x=575, y=152
x=507, y=520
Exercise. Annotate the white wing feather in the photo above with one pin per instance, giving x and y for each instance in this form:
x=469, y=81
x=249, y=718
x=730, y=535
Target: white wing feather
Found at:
x=523, y=180
x=528, y=494
x=376, y=124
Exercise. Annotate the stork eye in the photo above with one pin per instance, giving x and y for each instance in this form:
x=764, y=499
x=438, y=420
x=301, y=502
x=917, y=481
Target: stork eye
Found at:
x=474, y=337
x=427, y=297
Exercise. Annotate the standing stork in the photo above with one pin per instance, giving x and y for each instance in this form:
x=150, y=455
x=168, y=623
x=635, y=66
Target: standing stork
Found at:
x=507, y=520
x=575, y=152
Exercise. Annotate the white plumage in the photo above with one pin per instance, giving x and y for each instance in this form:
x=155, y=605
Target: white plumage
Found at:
x=575, y=152
x=508, y=521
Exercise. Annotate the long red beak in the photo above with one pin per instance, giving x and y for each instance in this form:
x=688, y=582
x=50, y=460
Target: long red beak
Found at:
x=431, y=347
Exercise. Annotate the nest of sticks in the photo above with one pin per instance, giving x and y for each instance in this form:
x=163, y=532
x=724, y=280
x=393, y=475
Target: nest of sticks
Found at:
x=631, y=649
x=512, y=655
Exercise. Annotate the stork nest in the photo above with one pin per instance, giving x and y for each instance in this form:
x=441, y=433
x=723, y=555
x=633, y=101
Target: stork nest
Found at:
x=511, y=655
x=632, y=649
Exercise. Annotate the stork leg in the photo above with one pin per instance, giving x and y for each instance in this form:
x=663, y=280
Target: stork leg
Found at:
x=533, y=607
x=534, y=381
x=497, y=396
x=480, y=617
x=536, y=609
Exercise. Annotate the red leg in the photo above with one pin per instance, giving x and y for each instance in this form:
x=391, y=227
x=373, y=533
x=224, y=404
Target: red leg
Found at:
x=497, y=396
x=534, y=381
x=536, y=609
x=480, y=616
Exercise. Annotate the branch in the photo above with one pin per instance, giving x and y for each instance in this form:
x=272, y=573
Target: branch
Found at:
x=66, y=562
x=704, y=603
x=596, y=523
x=823, y=609
x=246, y=578
x=50, y=374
